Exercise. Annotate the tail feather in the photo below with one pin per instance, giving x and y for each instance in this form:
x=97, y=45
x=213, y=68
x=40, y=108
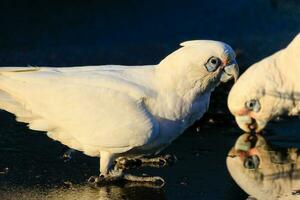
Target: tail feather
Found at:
x=9, y=104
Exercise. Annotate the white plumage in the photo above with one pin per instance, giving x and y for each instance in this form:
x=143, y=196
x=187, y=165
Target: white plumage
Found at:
x=268, y=89
x=111, y=111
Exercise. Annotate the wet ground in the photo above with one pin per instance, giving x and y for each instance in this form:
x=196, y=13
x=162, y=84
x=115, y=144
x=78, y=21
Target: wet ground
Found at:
x=32, y=167
x=36, y=171
x=135, y=32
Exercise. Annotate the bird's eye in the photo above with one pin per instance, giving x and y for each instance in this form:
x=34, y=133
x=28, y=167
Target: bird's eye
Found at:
x=253, y=105
x=212, y=64
x=252, y=162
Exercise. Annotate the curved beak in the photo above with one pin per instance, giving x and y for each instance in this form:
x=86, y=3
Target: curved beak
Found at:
x=229, y=72
x=248, y=124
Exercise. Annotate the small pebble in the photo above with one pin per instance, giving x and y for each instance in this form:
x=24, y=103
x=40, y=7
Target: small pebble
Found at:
x=4, y=171
x=211, y=120
x=68, y=184
x=184, y=181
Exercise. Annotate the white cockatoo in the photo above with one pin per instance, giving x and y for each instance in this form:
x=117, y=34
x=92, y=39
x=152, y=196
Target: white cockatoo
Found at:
x=268, y=89
x=114, y=111
x=262, y=171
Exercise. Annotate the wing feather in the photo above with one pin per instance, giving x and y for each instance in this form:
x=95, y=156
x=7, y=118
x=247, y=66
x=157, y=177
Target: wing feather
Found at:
x=85, y=115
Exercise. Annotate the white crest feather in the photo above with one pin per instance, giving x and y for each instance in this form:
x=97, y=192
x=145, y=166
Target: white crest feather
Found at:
x=191, y=43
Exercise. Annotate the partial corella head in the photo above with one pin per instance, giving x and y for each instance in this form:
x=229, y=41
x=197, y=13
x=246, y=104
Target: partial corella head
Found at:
x=268, y=89
x=260, y=170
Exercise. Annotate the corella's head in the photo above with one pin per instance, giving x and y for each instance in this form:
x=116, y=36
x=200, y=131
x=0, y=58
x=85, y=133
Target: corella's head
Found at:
x=260, y=170
x=201, y=64
x=267, y=89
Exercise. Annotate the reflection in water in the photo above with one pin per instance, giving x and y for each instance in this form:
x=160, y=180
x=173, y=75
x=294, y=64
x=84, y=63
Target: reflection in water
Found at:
x=81, y=192
x=263, y=171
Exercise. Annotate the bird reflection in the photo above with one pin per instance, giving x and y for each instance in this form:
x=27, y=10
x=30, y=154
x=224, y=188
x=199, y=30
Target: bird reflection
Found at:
x=263, y=171
x=78, y=192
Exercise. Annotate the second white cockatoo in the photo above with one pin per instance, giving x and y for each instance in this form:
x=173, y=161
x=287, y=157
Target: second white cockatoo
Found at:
x=268, y=89
x=117, y=111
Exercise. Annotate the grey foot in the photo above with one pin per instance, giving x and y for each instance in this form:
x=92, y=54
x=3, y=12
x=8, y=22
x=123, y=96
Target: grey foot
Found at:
x=118, y=176
x=106, y=179
x=156, y=180
x=158, y=162
x=128, y=163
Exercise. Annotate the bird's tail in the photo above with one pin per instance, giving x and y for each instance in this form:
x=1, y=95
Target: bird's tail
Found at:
x=7, y=101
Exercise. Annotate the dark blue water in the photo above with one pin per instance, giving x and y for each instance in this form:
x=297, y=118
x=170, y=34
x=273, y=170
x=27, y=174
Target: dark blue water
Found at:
x=134, y=32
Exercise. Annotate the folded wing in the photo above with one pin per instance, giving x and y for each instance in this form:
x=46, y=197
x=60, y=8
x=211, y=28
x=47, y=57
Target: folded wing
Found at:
x=90, y=111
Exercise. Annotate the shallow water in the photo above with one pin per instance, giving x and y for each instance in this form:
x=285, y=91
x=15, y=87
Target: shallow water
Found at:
x=135, y=32
x=36, y=171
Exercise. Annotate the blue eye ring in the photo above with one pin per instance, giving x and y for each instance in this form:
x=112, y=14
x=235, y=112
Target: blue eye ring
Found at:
x=212, y=64
x=252, y=162
x=253, y=105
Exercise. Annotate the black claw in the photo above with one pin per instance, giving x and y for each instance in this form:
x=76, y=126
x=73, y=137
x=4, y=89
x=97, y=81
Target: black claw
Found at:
x=170, y=159
x=162, y=162
x=159, y=182
x=92, y=179
x=101, y=177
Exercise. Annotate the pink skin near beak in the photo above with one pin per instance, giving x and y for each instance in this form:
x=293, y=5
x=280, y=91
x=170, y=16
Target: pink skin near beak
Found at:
x=243, y=111
x=246, y=120
x=244, y=154
x=225, y=62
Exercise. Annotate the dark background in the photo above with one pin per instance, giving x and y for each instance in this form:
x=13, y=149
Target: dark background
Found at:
x=135, y=32
x=131, y=32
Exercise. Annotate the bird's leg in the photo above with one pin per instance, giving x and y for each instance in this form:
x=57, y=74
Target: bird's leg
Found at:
x=158, y=162
x=107, y=174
